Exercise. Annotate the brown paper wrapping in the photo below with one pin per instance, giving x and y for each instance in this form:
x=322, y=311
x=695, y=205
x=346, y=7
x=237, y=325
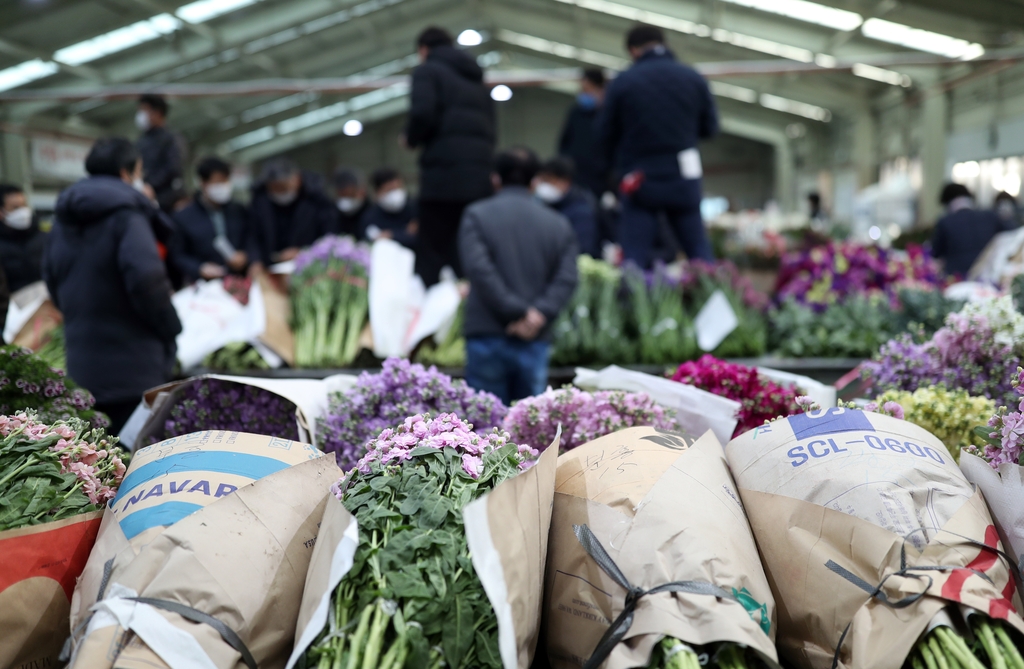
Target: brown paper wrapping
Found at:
x=665, y=508
x=40, y=564
x=278, y=335
x=798, y=538
x=879, y=486
x=507, y=532
x=242, y=559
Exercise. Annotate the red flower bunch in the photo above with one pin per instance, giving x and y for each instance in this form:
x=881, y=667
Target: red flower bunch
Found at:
x=761, y=399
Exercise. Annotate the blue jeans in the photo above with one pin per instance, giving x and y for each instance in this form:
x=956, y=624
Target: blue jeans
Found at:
x=507, y=366
x=638, y=227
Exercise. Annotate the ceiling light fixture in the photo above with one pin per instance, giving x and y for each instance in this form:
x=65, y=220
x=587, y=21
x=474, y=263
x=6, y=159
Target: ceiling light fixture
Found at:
x=501, y=93
x=470, y=37
x=117, y=40
x=26, y=72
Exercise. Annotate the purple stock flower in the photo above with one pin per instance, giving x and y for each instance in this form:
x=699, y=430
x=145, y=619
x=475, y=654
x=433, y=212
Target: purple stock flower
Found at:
x=583, y=416
x=213, y=404
x=333, y=247
x=385, y=400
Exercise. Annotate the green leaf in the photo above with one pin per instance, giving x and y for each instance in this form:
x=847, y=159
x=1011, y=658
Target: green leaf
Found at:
x=457, y=634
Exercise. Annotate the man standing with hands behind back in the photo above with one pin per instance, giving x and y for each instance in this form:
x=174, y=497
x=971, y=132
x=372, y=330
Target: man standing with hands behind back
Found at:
x=653, y=117
x=451, y=116
x=520, y=259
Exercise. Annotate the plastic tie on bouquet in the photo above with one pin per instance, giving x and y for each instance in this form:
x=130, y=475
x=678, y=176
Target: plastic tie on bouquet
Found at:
x=878, y=591
x=620, y=626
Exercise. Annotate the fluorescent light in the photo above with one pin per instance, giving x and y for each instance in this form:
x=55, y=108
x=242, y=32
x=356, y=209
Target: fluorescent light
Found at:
x=794, y=107
x=470, y=38
x=879, y=74
x=21, y=74
x=825, y=60
x=812, y=12
x=118, y=40
x=352, y=128
x=264, y=134
x=562, y=50
x=698, y=29
x=922, y=40
x=339, y=109
x=724, y=90
x=763, y=45
x=501, y=93
x=204, y=10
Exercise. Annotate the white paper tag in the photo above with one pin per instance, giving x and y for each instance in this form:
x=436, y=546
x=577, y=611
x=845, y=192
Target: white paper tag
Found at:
x=715, y=321
x=689, y=164
x=223, y=246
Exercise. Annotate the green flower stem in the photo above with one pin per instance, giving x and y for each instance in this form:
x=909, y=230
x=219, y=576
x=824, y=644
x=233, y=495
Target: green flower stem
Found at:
x=991, y=646
x=358, y=639
x=957, y=647
x=1013, y=655
x=376, y=639
x=29, y=461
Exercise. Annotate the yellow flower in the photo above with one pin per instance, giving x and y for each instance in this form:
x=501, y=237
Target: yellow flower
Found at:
x=950, y=415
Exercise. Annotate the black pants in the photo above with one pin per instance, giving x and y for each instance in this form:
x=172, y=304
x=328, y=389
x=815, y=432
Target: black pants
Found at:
x=118, y=413
x=438, y=238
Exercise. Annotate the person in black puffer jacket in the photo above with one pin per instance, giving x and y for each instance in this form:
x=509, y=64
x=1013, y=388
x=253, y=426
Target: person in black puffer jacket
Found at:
x=104, y=273
x=451, y=116
x=21, y=240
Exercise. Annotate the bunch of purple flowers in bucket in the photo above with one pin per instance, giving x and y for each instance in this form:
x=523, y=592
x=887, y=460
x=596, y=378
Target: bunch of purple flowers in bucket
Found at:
x=330, y=301
x=827, y=274
x=385, y=399
x=215, y=404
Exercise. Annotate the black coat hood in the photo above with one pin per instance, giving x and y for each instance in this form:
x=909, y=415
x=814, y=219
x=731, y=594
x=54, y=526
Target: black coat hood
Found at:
x=92, y=200
x=458, y=60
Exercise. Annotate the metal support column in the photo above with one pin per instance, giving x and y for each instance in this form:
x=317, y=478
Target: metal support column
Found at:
x=934, y=122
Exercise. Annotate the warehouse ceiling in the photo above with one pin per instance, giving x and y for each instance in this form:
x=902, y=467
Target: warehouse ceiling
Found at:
x=321, y=63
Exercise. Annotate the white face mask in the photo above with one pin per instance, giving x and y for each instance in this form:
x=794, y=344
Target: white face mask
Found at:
x=219, y=193
x=393, y=201
x=139, y=185
x=548, y=192
x=19, y=219
x=283, y=199
x=142, y=120
x=348, y=205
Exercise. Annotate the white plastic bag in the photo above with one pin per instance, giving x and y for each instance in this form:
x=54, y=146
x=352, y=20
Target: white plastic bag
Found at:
x=1004, y=491
x=696, y=410
x=211, y=318
x=395, y=296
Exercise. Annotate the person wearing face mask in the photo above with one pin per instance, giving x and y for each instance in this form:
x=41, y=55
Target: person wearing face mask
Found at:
x=350, y=189
x=212, y=236
x=1007, y=209
x=963, y=233
x=162, y=151
x=104, y=272
x=579, y=141
x=554, y=187
x=289, y=211
x=21, y=240
x=393, y=213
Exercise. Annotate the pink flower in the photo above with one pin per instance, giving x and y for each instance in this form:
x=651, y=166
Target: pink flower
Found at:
x=472, y=465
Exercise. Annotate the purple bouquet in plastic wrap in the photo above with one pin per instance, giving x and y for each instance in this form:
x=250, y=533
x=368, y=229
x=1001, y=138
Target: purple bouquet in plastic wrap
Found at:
x=330, y=301
x=214, y=404
x=384, y=400
x=583, y=416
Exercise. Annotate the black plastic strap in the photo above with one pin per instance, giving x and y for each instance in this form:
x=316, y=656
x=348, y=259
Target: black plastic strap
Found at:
x=620, y=626
x=196, y=616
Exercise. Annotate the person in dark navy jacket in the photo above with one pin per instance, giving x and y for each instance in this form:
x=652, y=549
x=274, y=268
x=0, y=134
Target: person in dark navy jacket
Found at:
x=654, y=115
x=393, y=213
x=963, y=233
x=212, y=237
x=104, y=272
x=554, y=186
x=289, y=211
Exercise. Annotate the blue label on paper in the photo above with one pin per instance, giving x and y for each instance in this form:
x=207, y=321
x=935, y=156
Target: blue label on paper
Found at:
x=830, y=421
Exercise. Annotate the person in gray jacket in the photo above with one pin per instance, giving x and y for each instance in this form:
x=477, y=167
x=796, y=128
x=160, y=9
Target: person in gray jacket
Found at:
x=520, y=259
